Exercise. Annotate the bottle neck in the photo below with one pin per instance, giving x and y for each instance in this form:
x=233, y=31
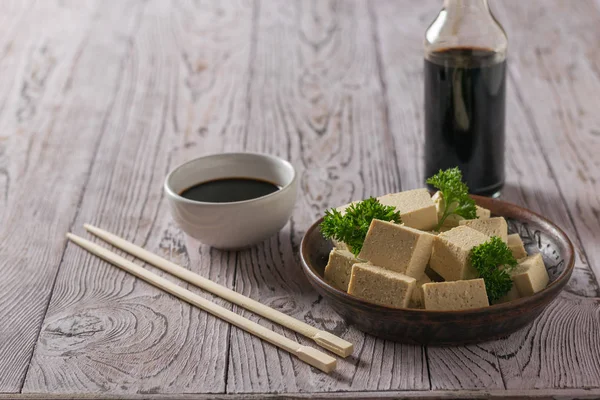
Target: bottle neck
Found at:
x=466, y=23
x=467, y=11
x=467, y=6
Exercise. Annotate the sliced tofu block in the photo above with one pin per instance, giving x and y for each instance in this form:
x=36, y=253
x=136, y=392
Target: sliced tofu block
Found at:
x=446, y=228
x=513, y=294
x=450, y=256
x=530, y=276
x=453, y=220
x=483, y=213
x=416, y=300
x=339, y=268
x=440, y=206
x=515, y=244
x=380, y=286
x=397, y=248
x=416, y=207
x=457, y=295
x=340, y=245
x=492, y=226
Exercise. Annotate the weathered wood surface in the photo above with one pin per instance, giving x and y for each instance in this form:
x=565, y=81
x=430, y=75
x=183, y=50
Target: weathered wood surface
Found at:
x=315, y=115
x=119, y=334
x=98, y=102
x=52, y=120
x=543, y=394
x=529, y=183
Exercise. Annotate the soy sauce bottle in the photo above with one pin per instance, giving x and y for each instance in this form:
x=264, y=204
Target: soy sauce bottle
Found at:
x=465, y=85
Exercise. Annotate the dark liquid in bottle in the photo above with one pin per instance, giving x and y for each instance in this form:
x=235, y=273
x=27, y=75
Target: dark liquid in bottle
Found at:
x=228, y=190
x=464, y=116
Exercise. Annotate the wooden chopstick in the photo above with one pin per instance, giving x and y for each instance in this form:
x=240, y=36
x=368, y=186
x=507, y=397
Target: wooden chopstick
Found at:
x=314, y=357
x=324, y=339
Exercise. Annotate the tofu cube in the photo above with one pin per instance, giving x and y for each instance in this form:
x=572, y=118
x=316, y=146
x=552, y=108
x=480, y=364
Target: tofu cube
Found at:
x=515, y=244
x=416, y=208
x=446, y=228
x=457, y=295
x=339, y=268
x=483, y=213
x=340, y=245
x=512, y=294
x=416, y=299
x=440, y=206
x=450, y=256
x=530, y=276
x=453, y=220
x=397, y=248
x=380, y=286
x=492, y=226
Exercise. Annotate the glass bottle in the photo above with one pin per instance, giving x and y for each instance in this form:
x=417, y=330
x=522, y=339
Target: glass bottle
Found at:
x=465, y=85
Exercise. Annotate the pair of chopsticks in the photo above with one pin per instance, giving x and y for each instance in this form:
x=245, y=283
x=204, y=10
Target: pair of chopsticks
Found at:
x=313, y=357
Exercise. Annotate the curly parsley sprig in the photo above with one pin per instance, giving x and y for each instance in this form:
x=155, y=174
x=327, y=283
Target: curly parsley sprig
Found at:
x=493, y=261
x=455, y=194
x=352, y=226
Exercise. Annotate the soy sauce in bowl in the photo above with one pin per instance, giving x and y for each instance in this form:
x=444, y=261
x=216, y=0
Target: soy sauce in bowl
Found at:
x=229, y=190
x=232, y=200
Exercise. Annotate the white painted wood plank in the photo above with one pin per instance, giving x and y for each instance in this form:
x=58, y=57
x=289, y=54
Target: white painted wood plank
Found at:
x=45, y=153
x=555, y=68
x=529, y=183
x=306, y=84
x=317, y=100
x=106, y=332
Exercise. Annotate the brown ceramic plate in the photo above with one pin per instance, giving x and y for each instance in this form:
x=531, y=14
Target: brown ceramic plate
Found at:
x=451, y=327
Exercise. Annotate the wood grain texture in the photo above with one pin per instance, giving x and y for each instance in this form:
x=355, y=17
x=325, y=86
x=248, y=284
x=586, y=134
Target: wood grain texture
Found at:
x=402, y=58
x=557, y=70
x=47, y=145
x=555, y=350
x=545, y=394
x=98, y=102
x=399, y=40
x=12, y=18
x=105, y=331
x=316, y=99
x=560, y=349
x=529, y=183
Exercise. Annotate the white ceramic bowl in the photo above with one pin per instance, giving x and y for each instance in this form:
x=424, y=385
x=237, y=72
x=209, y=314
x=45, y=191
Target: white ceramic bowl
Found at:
x=237, y=224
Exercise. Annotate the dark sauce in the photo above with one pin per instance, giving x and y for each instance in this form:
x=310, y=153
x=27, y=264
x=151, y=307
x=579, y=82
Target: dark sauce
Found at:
x=228, y=190
x=464, y=116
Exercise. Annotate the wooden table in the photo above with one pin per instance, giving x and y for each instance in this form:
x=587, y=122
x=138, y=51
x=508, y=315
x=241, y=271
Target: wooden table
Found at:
x=98, y=100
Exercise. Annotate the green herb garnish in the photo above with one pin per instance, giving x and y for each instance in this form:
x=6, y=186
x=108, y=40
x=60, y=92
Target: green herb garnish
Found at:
x=352, y=226
x=455, y=194
x=493, y=260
